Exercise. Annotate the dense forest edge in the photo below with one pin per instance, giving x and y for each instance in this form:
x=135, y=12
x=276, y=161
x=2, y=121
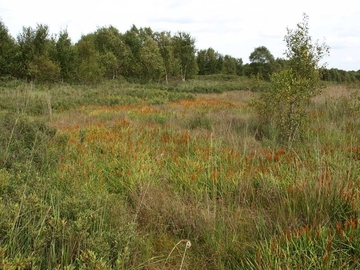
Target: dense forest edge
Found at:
x=138, y=55
x=135, y=150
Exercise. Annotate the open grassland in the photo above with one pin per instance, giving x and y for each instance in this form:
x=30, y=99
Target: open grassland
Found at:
x=137, y=178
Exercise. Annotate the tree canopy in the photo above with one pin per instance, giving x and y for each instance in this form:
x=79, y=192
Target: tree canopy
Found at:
x=139, y=54
x=262, y=62
x=284, y=104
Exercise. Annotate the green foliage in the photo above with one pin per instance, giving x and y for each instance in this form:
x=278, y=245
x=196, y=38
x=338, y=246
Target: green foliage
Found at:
x=199, y=120
x=262, y=63
x=311, y=248
x=34, y=44
x=43, y=70
x=164, y=42
x=108, y=39
x=211, y=62
x=133, y=41
x=184, y=51
x=109, y=64
x=90, y=70
x=229, y=65
x=219, y=83
x=284, y=104
x=23, y=142
x=339, y=76
x=261, y=55
x=8, y=52
x=151, y=61
x=115, y=55
x=111, y=54
x=304, y=55
x=207, y=61
x=65, y=57
x=239, y=67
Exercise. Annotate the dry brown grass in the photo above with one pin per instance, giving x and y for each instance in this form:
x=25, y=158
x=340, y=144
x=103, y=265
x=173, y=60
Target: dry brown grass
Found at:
x=239, y=97
x=237, y=130
x=71, y=118
x=334, y=92
x=230, y=115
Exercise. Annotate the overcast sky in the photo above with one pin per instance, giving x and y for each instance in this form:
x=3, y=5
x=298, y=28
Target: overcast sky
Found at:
x=231, y=27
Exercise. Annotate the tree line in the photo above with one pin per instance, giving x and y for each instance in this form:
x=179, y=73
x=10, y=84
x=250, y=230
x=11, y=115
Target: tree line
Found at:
x=139, y=55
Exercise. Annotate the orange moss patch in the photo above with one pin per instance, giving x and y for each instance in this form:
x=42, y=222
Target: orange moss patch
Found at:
x=206, y=103
x=137, y=108
x=87, y=116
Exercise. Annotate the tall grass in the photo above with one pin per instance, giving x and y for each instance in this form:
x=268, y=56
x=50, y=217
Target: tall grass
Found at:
x=126, y=186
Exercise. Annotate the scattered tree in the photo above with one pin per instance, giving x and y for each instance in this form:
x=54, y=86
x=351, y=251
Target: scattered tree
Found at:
x=284, y=104
x=261, y=63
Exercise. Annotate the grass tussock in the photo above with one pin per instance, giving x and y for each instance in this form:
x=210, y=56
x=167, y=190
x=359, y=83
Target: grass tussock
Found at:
x=174, y=182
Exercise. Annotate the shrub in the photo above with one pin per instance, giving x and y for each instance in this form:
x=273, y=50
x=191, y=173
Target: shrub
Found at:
x=23, y=142
x=284, y=104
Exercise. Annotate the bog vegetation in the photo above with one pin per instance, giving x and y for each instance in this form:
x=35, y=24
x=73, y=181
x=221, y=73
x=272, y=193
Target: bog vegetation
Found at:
x=162, y=165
